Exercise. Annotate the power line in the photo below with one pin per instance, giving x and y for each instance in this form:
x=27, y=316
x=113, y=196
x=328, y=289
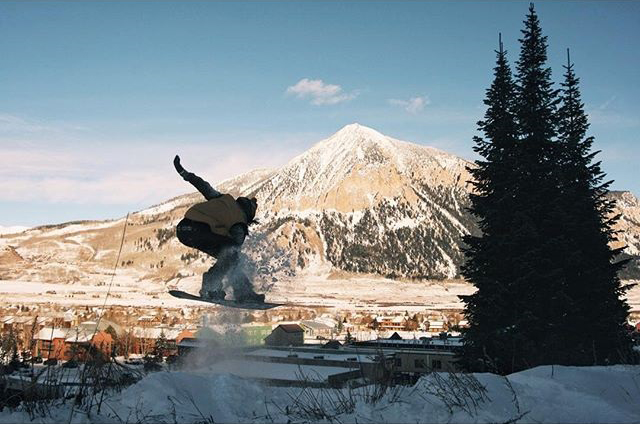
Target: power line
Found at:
x=95, y=330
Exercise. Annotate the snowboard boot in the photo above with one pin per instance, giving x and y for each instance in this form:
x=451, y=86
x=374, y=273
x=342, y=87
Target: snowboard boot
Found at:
x=212, y=285
x=212, y=294
x=243, y=290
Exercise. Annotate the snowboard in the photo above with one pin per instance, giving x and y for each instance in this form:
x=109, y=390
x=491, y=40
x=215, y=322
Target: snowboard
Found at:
x=229, y=303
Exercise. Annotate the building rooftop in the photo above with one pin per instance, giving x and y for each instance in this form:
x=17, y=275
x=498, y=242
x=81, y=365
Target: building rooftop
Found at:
x=315, y=325
x=291, y=328
x=154, y=333
x=275, y=371
x=421, y=343
x=314, y=353
x=191, y=342
x=80, y=336
x=49, y=333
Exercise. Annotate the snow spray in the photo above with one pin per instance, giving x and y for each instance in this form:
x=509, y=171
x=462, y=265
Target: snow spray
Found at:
x=221, y=337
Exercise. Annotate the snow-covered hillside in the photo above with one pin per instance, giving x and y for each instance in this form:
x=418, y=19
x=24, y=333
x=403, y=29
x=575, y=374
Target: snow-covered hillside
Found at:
x=12, y=229
x=548, y=394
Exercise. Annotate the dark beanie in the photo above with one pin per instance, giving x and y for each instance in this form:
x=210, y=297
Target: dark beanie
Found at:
x=248, y=206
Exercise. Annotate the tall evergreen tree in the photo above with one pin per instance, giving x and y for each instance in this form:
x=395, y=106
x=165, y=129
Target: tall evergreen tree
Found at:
x=515, y=265
x=597, y=313
x=160, y=347
x=539, y=246
x=489, y=338
x=548, y=290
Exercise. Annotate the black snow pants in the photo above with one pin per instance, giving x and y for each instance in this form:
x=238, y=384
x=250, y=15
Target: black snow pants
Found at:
x=198, y=235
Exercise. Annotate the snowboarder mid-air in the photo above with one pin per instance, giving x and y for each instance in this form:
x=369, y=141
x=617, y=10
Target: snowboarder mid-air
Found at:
x=218, y=228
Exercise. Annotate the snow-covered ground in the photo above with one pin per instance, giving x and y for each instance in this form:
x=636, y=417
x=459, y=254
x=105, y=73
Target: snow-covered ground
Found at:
x=370, y=292
x=355, y=293
x=344, y=294
x=542, y=395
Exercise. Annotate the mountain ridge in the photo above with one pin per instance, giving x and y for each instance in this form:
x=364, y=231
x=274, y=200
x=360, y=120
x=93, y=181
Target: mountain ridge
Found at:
x=357, y=201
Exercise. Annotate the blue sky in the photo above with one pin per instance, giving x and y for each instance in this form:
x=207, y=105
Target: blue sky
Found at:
x=97, y=97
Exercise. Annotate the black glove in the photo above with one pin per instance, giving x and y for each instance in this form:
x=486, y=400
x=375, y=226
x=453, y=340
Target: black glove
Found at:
x=179, y=168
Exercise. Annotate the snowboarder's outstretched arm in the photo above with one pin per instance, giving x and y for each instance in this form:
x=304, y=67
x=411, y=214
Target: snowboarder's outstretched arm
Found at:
x=203, y=187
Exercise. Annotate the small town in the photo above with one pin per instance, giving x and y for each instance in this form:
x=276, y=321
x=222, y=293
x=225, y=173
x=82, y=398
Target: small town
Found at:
x=286, y=347
x=50, y=331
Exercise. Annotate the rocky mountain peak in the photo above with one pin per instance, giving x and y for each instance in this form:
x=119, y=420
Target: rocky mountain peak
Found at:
x=355, y=168
x=356, y=136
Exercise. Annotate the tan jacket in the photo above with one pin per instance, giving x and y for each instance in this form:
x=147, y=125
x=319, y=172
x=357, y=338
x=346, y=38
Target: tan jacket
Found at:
x=221, y=213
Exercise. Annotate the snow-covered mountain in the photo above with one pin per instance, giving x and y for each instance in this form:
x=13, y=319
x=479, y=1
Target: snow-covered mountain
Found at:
x=365, y=202
x=13, y=229
x=358, y=201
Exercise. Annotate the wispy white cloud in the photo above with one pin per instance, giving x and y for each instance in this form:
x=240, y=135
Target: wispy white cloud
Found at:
x=13, y=124
x=608, y=114
x=9, y=123
x=117, y=174
x=103, y=171
x=414, y=105
x=320, y=92
x=607, y=103
x=112, y=189
x=606, y=117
